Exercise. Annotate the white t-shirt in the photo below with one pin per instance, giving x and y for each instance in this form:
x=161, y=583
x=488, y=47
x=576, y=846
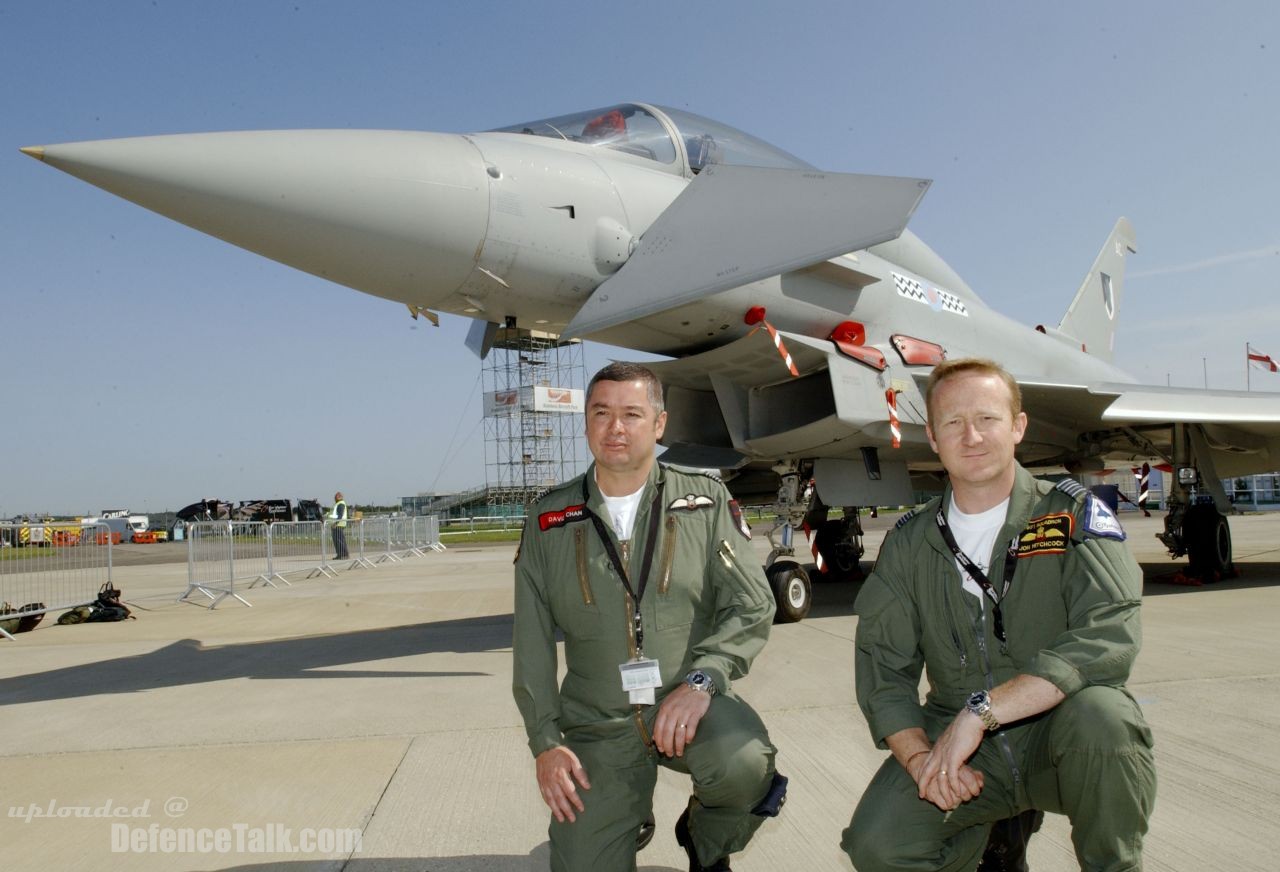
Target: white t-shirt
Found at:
x=622, y=512
x=976, y=536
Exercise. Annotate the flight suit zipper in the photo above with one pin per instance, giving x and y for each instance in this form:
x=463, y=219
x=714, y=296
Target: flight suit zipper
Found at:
x=637, y=711
x=951, y=627
x=730, y=560
x=668, y=556
x=584, y=579
x=1002, y=741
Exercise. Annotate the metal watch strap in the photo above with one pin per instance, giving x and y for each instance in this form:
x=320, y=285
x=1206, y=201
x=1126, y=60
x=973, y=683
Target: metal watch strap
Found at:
x=701, y=682
x=980, y=704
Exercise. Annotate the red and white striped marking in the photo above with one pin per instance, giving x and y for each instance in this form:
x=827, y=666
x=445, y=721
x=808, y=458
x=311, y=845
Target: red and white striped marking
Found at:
x=756, y=315
x=1143, y=475
x=891, y=399
x=782, y=349
x=813, y=548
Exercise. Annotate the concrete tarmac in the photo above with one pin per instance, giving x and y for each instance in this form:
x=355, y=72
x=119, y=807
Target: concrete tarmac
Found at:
x=379, y=705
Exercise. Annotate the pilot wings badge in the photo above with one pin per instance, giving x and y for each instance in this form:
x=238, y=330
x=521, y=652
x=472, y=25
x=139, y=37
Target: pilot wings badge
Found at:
x=691, y=502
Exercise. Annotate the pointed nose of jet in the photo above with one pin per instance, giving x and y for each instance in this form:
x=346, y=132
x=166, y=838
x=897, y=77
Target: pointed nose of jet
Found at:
x=398, y=214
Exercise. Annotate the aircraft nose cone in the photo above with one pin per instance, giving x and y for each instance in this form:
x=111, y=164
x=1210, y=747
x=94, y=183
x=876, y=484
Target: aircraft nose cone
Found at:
x=398, y=214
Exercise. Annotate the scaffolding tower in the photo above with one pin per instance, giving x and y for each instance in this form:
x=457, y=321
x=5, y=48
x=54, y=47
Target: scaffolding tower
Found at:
x=533, y=390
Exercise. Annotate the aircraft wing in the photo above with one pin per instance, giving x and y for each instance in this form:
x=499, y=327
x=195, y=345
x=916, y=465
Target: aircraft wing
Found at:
x=734, y=225
x=835, y=408
x=1241, y=429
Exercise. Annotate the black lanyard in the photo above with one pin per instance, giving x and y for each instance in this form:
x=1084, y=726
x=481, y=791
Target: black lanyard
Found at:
x=645, y=563
x=980, y=577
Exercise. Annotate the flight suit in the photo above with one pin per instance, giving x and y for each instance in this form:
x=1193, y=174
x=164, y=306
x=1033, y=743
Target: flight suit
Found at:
x=706, y=605
x=1071, y=617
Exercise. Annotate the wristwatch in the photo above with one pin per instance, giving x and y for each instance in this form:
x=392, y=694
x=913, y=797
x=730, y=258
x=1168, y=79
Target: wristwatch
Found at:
x=701, y=682
x=980, y=704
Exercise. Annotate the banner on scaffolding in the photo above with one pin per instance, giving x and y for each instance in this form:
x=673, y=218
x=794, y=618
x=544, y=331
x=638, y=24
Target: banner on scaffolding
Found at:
x=539, y=398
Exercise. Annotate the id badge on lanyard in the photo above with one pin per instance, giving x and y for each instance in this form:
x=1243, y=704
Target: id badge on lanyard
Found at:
x=640, y=678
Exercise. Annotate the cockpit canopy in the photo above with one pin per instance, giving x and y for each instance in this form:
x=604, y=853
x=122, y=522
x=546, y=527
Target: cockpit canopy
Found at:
x=652, y=132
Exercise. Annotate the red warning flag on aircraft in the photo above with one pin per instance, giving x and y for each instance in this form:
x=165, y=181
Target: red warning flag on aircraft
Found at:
x=1258, y=360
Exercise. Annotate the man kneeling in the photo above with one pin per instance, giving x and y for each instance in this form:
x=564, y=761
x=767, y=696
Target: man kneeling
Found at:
x=649, y=574
x=1022, y=601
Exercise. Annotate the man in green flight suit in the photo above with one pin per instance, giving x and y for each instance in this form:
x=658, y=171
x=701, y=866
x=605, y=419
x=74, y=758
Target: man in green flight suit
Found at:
x=648, y=573
x=1021, y=600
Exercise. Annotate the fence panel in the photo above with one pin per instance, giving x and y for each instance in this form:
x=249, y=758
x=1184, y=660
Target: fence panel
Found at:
x=355, y=548
x=52, y=566
x=376, y=546
x=296, y=546
x=220, y=553
x=428, y=532
x=401, y=537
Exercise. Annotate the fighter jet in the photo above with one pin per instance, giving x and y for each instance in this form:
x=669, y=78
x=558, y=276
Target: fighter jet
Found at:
x=801, y=315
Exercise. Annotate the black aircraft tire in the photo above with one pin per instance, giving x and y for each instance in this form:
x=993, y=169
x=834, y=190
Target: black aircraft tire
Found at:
x=1208, y=538
x=841, y=554
x=792, y=590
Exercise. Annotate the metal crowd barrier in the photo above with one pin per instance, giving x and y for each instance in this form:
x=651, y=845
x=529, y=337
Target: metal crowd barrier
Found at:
x=220, y=553
x=53, y=566
x=483, y=522
x=375, y=541
x=296, y=546
x=400, y=538
x=224, y=554
x=355, y=548
x=427, y=532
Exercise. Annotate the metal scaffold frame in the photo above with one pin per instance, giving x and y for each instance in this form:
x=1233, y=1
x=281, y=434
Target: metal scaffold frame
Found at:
x=533, y=384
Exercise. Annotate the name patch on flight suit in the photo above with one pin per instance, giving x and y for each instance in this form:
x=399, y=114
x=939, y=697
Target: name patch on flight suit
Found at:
x=567, y=515
x=1047, y=534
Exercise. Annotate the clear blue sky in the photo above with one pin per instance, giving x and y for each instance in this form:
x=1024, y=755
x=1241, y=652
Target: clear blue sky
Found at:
x=133, y=347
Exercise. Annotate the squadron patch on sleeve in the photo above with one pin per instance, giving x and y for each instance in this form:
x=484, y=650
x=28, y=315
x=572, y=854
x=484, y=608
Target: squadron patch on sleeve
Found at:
x=1047, y=534
x=1099, y=520
x=738, y=520
x=559, y=518
x=692, y=501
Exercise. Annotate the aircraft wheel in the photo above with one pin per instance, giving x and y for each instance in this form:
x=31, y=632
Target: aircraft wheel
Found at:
x=792, y=589
x=1208, y=538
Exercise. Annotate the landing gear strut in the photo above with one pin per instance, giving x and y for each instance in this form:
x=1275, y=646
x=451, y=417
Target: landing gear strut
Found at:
x=789, y=580
x=838, y=541
x=1194, y=526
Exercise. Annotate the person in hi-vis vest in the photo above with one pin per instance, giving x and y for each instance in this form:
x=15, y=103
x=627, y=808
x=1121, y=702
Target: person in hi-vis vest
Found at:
x=338, y=520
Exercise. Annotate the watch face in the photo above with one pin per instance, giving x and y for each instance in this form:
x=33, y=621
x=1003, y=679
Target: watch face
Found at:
x=978, y=700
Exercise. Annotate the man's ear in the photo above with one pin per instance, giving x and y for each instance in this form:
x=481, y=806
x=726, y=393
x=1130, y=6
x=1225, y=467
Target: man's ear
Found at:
x=1019, y=427
x=661, y=425
x=933, y=443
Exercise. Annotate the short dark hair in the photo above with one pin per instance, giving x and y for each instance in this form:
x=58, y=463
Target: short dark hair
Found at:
x=620, y=371
x=978, y=366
